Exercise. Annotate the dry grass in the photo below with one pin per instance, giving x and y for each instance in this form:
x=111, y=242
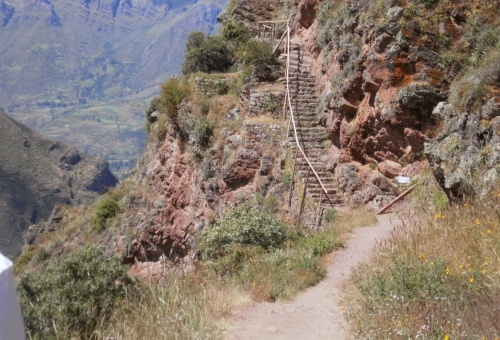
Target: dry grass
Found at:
x=182, y=307
x=437, y=277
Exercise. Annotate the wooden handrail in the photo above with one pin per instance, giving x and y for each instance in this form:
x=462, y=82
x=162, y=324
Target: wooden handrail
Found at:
x=279, y=43
x=293, y=119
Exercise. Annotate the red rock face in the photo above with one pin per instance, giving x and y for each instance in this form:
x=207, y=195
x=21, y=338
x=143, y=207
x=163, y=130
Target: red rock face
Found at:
x=381, y=110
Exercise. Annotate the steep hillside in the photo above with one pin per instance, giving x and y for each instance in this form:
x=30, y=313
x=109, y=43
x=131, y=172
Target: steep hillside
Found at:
x=35, y=174
x=79, y=64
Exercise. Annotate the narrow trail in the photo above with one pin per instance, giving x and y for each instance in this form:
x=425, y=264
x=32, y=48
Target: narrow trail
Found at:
x=315, y=313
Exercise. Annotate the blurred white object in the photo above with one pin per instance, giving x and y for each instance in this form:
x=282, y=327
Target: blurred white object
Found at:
x=11, y=321
x=404, y=180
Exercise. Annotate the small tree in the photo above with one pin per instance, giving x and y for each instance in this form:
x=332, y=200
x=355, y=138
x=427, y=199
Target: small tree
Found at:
x=206, y=54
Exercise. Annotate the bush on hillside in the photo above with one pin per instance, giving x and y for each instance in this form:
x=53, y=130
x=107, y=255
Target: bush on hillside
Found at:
x=256, y=52
x=173, y=91
x=203, y=131
x=244, y=225
x=105, y=211
x=68, y=297
x=231, y=31
x=206, y=54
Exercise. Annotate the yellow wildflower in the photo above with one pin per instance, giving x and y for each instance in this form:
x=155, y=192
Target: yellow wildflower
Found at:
x=477, y=221
x=489, y=231
x=446, y=337
x=471, y=280
x=447, y=270
x=432, y=263
x=484, y=271
x=421, y=256
x=465, y=204
x=461, y=266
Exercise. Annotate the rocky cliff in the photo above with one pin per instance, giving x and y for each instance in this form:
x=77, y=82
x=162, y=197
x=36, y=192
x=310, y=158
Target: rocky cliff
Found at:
x=36, y=174
x=407, y=83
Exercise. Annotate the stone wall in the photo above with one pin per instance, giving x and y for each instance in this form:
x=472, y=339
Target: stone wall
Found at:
x=210, y=87
x=262, y=132
x=262, y=102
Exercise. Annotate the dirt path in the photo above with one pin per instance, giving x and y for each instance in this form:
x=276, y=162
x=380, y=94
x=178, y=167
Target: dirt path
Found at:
x=314, y=314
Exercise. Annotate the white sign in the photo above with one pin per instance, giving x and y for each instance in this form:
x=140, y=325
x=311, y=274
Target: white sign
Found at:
x=11, y=322
x=404, y=180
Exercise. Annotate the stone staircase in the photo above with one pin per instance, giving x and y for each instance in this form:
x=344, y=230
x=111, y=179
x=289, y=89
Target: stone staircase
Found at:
x=310, y=134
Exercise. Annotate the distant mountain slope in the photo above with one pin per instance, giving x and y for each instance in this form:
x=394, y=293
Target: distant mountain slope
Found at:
x=75, y=49
x=70, y=68
x=35, y=174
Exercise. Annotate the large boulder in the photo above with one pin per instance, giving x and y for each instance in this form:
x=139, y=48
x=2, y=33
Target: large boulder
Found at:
x=390, y=169
x=243, y=169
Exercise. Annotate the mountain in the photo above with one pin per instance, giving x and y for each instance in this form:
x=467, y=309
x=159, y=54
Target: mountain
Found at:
x=67, y=61
x=35, y=174
x=94, y=49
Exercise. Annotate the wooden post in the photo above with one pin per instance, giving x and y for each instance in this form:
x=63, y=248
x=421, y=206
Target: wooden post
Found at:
x=396, y=199
x=291, y=181
x=304, y=195
x=288, y=130
x=284, y=106
x=318, y=217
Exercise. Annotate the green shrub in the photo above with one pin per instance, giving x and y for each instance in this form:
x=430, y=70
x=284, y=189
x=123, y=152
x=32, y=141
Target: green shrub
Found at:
x=330, y=215
x=173, y=91
x=287, y=180
x=272, y=105
x=231, y=31
x=22, y=261
x=41, y=254
x=256, y=52
x=203, y=131
x=244, y=225
x=206, y=54
x=429, y=4
x=154, y=105
x=105, y=211
x=318, y=244
x=440, y=200
x=68, y=297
